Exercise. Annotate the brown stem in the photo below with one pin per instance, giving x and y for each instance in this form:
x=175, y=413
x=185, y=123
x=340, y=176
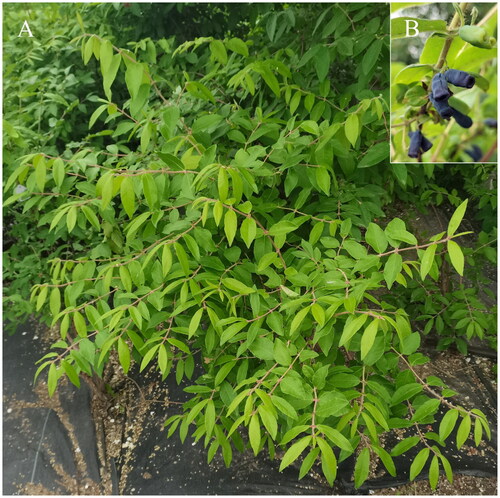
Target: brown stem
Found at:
x=447, y=44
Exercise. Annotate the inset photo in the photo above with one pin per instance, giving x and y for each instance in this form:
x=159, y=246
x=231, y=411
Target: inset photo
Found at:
x=444, y=84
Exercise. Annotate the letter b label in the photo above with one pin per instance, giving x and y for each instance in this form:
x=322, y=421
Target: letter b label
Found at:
x=411, y=27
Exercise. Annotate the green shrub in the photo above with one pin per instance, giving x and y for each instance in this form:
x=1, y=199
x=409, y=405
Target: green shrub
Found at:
x=223, y=214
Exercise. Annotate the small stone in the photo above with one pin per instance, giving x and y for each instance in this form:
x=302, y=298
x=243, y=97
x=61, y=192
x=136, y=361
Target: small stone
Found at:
x=9, y=410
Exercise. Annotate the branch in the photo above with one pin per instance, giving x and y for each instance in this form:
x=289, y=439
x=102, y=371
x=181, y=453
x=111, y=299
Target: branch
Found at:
x=447, y=44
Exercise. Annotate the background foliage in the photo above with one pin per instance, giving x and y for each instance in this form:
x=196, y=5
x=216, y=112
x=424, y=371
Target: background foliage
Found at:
x=219, y=206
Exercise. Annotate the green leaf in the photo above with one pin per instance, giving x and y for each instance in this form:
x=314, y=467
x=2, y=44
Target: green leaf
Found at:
x=55, y=301
x=269, y=78
x=58, y=171
x=318, y=313
x=231, y=331
x=447, y=468
x=166, y=259
x=194, y=412
x=222, y=184
x=308, y=462
x=427, y=260
x=478, y=431
x=362, y=467
x=281, y=353
x=405, y=392
x=376, y=154
x=125, y=278
x=328, y=461
x=334, y=435
x=294, y=432
x=463, y=431
x=352, y=327
x=237, y=45
x=52, y=379
x=40, y=171
x=412, y=73
x=91, y=217
x=254, y=433
x=457, y=218
x=200, y=91
x=223, y=372
x=418, y=463
x=377, y=415
x=42, y=296
x=298, y=319
x=148, y=357
x=392, y=268
x=127, y=196
x=71, y=373
x=405, y=445
x=218, y=51
x=410, y=343
x=434, y=472
x=456, y=256
x=271, y=25
x=368, y=337
x=194, y=323
x=284, y=407
x=248, y=230
x=266, y=260
x=322, y=62
x=424, y=410
x=375, y=236
x=80, y=325
x=294, y=452
x=133, y=77
x=210, y=417
x=351, y=128
x=109, y=75
x=230, y=225
x=88, y=49
x=124, y=355
x=371, y=56
x=323, y=179
x=294, y=102
x=269, y=420
x=386, y=459
x=182, y=258
x=237, y=286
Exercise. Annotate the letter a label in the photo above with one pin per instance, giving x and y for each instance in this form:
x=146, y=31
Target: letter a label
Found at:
x=25, y=29
x=413, y=28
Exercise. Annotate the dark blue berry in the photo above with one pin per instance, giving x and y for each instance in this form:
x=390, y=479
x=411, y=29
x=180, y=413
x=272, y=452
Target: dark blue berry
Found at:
x=463, y=120
x=442, y=107
x=415, y=143
x=459, y=78
x=476, y=153
x=440, y=88
x=491, y=122
x=426, y=144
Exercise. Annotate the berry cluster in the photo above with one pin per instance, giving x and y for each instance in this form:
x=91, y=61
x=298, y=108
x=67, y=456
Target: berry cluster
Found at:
x=439, y=96
x=441, y=93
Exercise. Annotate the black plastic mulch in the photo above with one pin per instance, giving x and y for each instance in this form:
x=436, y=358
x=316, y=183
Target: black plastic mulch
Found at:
x=52, y=443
